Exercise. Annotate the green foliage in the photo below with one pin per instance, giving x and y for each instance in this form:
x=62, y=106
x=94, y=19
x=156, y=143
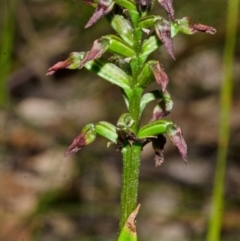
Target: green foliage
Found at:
x=130, y=69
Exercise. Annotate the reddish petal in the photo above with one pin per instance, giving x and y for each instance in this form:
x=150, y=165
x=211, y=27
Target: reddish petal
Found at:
x=160, y=75
x=163, y=31
x=103, y=8
x=72, y=62
x=187, y=26
x=87, y=136
x=57, y=66
x=168, y=6
x=158, y=113
x=202, y=28
x=98, y=49
x=175, y=134
x=76, y=145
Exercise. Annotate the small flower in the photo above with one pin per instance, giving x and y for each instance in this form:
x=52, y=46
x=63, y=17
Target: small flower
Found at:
x=160, y=75
x=187, y=26
x=175, y=134
x=98, y=49
x=163, y=31
x=72, y=62
x=87, y=136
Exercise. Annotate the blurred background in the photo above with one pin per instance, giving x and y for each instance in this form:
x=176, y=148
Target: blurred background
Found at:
x=44, y=196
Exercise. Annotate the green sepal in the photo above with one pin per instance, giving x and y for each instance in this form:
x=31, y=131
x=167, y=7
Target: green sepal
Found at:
x=149, y=45
x=125, y=98
x=168, y=102
x=107, y=130
x=128, y=232
x=148, y=21
x=154, y=128
x=125, y=123
x=126, y=4
x=175, y=29
x=148, y=97
x=109, y=72
x=89, y=133
x=165, y=105
x=123, y=27
x=75, y=58
x=146, y=76
x=134, y=15
x=118, y=46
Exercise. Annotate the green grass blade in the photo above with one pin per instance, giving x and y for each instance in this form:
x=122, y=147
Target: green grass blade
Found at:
x=226, y=103
x=6, y=46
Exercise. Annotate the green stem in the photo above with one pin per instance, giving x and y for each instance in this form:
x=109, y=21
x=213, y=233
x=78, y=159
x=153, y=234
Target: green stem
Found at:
x=131, y=152
x=131, y=163
x=226, y=102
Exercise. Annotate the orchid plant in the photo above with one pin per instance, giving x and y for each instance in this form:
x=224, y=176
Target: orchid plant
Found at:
x=138, y=34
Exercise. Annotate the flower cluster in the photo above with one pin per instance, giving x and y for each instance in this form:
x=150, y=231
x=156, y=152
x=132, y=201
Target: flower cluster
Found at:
x=130, y=69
